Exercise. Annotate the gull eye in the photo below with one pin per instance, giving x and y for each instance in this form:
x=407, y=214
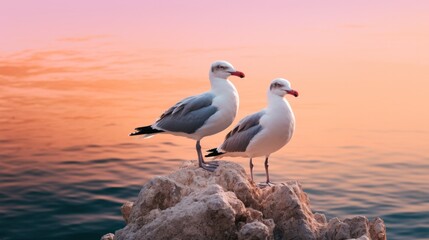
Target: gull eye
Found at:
x=276, y=85
x=218, y=67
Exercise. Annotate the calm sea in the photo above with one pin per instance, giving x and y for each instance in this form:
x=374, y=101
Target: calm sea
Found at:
x=67, y=164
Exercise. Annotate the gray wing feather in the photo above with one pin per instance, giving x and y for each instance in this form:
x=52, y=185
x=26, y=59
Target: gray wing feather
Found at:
x=188, y=115
x=239, y=138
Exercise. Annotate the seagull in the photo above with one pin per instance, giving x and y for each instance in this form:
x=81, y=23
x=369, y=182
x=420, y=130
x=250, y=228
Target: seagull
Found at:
x=201, y=115
x=263, y=132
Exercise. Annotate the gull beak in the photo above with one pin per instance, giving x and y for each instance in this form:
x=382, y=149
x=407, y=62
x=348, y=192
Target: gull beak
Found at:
x=238, y=74
x=292, y=92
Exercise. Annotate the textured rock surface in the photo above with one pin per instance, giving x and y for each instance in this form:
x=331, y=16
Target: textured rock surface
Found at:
x=192, y=203
x=109, y=236
x=126, y=210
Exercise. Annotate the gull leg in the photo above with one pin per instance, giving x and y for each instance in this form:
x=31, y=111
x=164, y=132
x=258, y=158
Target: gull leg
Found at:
x=202, y=159
x=266, y=171
x=213, y=162
x=251, y=168
x=201, y=163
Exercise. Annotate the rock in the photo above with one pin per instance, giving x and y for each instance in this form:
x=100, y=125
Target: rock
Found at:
x=289, y=207
x=337, y=230
x=355, y=228
x=255, y=231
x=109, y=236
x=378, y=229
x=126, y=210
x=192, y=203
x=359, y=226
x=211, y=213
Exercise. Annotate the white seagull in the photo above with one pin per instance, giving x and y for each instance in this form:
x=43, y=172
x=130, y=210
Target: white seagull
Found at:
x=201, y=115
x=264, y=132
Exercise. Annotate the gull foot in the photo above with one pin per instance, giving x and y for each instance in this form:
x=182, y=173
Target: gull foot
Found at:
x=265, y=184
x=211, y=167
x=214, y=163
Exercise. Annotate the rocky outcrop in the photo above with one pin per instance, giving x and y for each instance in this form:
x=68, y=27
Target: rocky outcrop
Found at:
x=192, y=203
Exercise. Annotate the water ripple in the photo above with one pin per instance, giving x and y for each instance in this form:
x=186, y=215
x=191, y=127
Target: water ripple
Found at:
x=81, y=197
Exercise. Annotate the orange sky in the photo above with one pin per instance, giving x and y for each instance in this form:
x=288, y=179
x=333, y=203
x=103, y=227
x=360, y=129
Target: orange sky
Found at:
x=361, y=67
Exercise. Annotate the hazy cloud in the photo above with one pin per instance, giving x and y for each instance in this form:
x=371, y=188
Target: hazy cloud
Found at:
x=353, y=26
x=83, y=38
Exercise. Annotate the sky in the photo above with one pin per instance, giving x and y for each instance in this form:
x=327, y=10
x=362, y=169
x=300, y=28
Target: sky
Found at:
x=359, y=65
x=221, y=24
x=77, y=76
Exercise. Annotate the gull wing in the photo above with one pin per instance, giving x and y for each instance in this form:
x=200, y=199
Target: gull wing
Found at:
x=188, y=115
x=239, y=138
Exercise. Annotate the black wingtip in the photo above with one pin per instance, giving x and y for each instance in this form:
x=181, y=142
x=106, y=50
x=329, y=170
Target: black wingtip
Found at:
x=145, y=130
x=212, y=150
x=213, y=153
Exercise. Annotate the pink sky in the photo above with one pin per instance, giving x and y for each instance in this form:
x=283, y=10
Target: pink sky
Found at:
x=365, y=62
x=211, y=24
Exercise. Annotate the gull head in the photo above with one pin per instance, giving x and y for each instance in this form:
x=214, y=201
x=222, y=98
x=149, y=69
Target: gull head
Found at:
x=224, y=69
x=281, y=87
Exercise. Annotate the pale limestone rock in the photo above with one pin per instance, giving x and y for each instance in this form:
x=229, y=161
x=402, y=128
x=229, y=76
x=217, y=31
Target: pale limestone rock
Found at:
x=289, y=207
x=363, y=237
x=192, y=203
x=126, y=210
x=338, y=229
x=208, y=214
x=378, y=229
x=358, y=228
x=321, y=218
x=109, y=236
x=255, y=231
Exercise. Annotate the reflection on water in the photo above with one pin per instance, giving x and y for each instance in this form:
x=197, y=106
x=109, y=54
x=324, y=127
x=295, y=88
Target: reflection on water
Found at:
x=67, y=163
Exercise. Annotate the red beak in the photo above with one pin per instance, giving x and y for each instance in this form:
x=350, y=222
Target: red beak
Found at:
x=238, y=74
x=292, y=92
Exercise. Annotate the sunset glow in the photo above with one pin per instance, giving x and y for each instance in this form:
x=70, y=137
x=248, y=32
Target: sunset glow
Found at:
x=359, y=67
x=77, y=76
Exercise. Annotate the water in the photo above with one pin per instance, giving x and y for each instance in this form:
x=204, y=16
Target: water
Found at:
x=74, y=198
x=67, y=164
x=68, y=199
x=65, y=171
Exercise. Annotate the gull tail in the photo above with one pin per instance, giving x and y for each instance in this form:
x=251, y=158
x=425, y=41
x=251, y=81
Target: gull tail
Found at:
x=213, y=153
x=147, y=131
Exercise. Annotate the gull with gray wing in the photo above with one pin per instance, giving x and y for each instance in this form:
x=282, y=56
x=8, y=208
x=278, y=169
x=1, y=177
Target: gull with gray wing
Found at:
x=264, y=132
x=201, y=115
